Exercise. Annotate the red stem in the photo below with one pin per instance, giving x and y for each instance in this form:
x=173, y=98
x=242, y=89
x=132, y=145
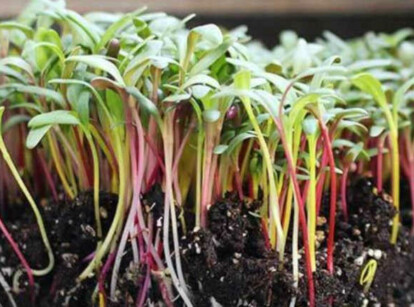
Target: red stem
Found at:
x=332, y=205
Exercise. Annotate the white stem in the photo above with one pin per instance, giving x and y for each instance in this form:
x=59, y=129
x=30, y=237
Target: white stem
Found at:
x=7, y=289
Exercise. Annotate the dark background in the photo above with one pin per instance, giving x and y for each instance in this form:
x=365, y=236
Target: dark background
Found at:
x=265, y=18
x=266, y=27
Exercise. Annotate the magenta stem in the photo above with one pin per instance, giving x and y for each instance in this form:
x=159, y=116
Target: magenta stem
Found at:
x=21, y=257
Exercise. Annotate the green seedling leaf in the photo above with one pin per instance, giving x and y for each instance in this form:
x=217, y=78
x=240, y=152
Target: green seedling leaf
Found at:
x=369, y=64
x=36, y=91
x=35, y=135
x=302, y=59
x=350, y=113
x=82, y=26
x=354, y=152
x=116, y=27
x=79, y=98
x=28, y=106
x=210, y=57
x=145, y=103
x=141, y=27
x=10, y=25
x=376, y=131
x=342, y=143
x=201, y=80
x=288, y=39
x=15, y=120
x=398, y=99
x=99, y=62
x=58, y=117
x=372, y=86
x=11, y=73
x=209, y=33
x=42, y=58
x=235, y=142
x=177, y=98
x=220, y=149
x=19, y=63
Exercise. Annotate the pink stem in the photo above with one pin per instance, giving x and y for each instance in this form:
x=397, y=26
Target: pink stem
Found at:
x=22, y=259
x=104, y=272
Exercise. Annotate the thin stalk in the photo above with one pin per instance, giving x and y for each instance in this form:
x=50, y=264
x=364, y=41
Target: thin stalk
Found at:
x=380, y=156
x=295, y=252
x=332, y=206
x=107, y=152
x=118, y=213
x=344, y=180
x=48, y=175
x=95, y=184
x=58, y=164
x=200, y=139
x=32, y=203
x=8, y=290
x=169, y=208
x=311, y=199
x=302, y=215
x=242, y=81
x=207, y=169
x=395, y=181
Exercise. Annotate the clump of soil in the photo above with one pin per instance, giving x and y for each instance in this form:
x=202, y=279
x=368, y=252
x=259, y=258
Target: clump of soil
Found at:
x=230, y=262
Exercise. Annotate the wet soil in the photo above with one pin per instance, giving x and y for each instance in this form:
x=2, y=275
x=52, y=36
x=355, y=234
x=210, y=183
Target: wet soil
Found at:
x=230, y=263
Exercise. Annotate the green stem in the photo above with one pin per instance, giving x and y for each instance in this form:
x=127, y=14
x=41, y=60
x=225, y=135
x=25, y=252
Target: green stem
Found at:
x=311, y=201
x=95, y=183
x=31, y=201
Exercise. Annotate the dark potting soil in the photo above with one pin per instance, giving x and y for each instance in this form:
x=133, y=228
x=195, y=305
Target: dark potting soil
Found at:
x=71, y=231
x=229, y=263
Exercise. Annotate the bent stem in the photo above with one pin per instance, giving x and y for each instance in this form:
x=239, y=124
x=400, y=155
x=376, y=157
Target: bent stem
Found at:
x=31, y=201
x=242, y=81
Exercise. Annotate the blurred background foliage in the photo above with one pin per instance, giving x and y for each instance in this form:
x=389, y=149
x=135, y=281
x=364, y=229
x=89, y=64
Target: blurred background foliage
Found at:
x=265, y=18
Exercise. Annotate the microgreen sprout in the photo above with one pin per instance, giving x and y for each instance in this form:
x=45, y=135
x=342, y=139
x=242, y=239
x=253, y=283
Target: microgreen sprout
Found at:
x=368, y=275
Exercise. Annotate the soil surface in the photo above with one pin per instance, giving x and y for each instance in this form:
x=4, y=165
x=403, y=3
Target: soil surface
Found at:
x=230, y=263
